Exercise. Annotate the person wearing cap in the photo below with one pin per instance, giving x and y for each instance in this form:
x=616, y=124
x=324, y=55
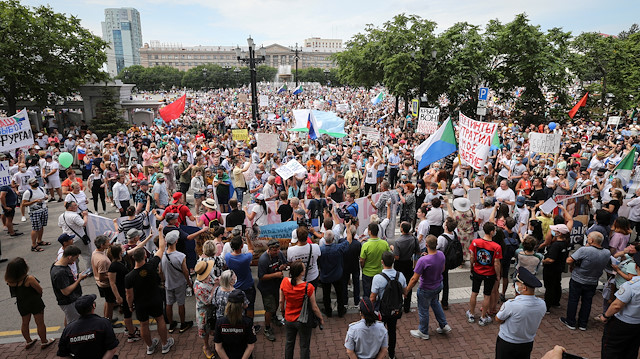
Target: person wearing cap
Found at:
x=20, y=181
x=586, y=264
x=51, y=176
x=234, y=334
x=553, y=265
x=521, y=215
x=178, y=206
x=271, y=265
x=176, y=280
x=90, y=336
x=142, y=199
x=485, y=264
x=143, y=296
x=100, y=264
x=66, y=285
x=619, y=338
x=65, y=241
x=367, y=338
x=173, y=224
x=519, y=318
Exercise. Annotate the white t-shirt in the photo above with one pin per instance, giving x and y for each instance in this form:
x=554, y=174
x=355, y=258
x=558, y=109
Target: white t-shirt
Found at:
x=436, y=216
x=33, y=194
x=260, y=216
x=71, y=224
x=459, y=191
x=50, y=166
x=73, y=266
x=80, y=198
x=22, y=180
x=227, y=249
x=370, y=174
x=423, y=229
x=505, y=195
x=302, y=252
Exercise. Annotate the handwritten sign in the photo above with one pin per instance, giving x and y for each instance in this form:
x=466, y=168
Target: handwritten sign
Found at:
x=428, y=120
x=264, y=100
x=240, y=134
x=290, y=169
x=15, y=132
x=5, y=177
x=474, y=195
x=544, y=142
x=370, y=133
x=267, y=142
x=243, y=98
x=613, y=120
x=475, y=140
x=342, y=107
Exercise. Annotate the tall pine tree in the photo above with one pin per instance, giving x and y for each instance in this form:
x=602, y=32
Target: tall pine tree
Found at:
x=109, y=119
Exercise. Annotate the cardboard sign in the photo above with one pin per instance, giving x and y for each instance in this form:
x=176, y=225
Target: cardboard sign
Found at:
x=613, y=120
x=5, y=177
x=415, y=107
x=342, y=107
x=267, y=142
x=544, y=142
x=264, y=100
x=370, y=133
x=474, y=195
x=428, y=120
x=290, y=169
x=240, y=134
x=548, y=206
x=15, y=132
x=475, y=140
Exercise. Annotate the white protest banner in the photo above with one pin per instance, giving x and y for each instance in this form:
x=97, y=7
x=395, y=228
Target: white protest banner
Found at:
x=264, y=100
x=290, y=169
x=548, y=206
x=544, y=142
x=561, y=198
x=15, y=132
x=98, y=225
x=474, y=195
x=342, y=107
x=5, y=177
x=267, y=142
x=428, y=120
x=475, y=140
x=614, y=120
x=370, y=133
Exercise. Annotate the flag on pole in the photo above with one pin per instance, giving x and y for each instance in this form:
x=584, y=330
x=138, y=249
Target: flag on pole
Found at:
x=439, y=145
x=173, y=110
x=376, y=100
x=282, y=89
x=312, y=126
x=298, y=90
x=625, y=167
x=581, y=103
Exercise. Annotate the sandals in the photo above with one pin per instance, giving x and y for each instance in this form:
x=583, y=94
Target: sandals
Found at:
x=15, y=234
x=30, y=344
x=49, y=342
x=36, y=249
x=204, y=350
x=43, y=243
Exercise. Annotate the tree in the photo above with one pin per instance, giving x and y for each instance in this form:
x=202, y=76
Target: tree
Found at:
x=108, y=118
x=45, y=55
x=358, y=64
x=266, y=73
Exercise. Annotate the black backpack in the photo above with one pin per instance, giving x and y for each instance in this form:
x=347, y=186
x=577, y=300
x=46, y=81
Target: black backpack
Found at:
x=392, y=300
x=453, y=252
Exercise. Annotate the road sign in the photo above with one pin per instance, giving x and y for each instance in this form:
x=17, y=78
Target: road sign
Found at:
x=483, y=94
x=415, y=107
x=482, y=103
x=481, y=111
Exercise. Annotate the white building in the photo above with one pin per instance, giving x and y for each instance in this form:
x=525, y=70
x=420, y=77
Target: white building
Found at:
x=122, y=30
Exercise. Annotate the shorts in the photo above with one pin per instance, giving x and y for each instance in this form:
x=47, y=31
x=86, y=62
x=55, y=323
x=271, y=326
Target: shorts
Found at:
x=147, y=310
x=380, y=174
x=198, y=195
x=10, y=212
x=270, y=303
x=107, y=294
x=176, y=295
x=477, y=279
x=70, y=312
x=506, y=265
x=52, y=183
x=39, y=219
x=251, y=297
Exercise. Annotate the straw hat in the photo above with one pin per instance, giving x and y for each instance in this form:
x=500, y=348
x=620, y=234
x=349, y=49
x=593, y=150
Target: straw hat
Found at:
x=210, y=203
x=461, y=204
x=203, y=269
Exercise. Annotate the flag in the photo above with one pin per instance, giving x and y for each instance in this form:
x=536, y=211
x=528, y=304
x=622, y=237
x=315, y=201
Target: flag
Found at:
x=282, y=89
x=495, y=142
x=376, y=100
x=439, y=145
x=625, y=167
x=173, y=110
x=312, y=126
x=581, y=103
x=298, y=90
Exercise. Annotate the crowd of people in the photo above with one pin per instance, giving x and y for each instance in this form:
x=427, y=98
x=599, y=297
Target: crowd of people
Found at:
x=509, y=236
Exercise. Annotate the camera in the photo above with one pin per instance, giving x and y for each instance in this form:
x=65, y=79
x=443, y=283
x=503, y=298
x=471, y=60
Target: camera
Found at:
x=304, y=222
x=344, y=214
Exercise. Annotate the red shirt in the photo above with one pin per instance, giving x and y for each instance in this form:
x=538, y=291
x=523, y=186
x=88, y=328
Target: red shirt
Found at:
x=182, y=211
x=485, y=253
x=68, y=183
x=293, y=298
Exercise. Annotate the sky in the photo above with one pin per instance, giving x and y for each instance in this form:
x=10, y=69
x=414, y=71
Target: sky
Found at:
x=286, y=22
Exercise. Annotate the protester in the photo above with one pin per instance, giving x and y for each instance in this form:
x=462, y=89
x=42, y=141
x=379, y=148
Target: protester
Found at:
x=271, y=265
x=65, y=286
x=176, y=281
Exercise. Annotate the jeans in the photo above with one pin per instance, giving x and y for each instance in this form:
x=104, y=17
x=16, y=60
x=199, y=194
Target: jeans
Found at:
x=326, y=297
x=354, y=275
x=577, y=292
x=429, y=298
x=240, y=194
x=292, y=330
x=366, y=285
x=391, y=329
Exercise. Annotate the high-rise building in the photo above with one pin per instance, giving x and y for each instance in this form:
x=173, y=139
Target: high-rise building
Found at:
x=121, y=29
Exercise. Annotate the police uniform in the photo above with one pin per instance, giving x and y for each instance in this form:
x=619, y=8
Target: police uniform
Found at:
x=620, y=336
x=88, y=337
x=366, y=341
x=522, y=316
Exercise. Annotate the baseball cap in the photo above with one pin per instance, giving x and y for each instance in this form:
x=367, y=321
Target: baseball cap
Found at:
x=65, y=237
x=236, y=296
x=177, y=196
x=560, y=228
x=520, y=200
x=169, y=216
x=133, y=233
x=33, y=180
x=85, y=303
x=172, y=237
x=144, y=183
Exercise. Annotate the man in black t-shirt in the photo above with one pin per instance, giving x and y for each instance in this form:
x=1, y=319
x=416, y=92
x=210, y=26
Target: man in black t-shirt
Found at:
x=539, y=194
x=553, y=266
x=62, y=279
x=236, y=217
x=270, y=266
x=235, y=340
x=143, y=295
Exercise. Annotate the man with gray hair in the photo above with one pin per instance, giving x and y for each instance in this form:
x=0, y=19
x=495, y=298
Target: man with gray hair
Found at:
x=100, y=264
x=269, y=191
x=330, y=264
x=586, y=264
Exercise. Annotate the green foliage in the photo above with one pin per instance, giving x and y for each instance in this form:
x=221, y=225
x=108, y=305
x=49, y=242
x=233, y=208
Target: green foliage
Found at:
x=152, y=78
x=44, y=54
x=109, y=119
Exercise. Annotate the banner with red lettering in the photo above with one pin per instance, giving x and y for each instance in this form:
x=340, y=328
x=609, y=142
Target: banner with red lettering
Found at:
x=475, y=140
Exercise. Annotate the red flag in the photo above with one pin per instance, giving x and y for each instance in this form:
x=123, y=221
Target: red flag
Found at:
x=173, y=110
x=581, y=103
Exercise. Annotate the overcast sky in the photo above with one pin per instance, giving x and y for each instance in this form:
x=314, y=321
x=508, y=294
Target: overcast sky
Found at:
x=230, y=22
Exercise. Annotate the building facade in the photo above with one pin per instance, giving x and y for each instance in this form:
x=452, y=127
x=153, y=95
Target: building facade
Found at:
x=326, y=44
x=122, y=30
x=185, y=58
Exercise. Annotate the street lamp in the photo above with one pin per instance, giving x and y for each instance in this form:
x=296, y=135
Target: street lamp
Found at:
x=296, y=57
x=226, y=69
x=326, y=76
x=252, y=61
x=237, y=72
x=204, y=77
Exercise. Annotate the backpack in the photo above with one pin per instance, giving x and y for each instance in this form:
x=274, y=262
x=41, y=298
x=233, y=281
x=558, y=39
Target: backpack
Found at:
x=511, y=244
x=392, y=300
x=452, y=252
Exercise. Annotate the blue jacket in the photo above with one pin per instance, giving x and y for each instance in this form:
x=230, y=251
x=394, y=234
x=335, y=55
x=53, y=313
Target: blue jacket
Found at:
x=330, y=262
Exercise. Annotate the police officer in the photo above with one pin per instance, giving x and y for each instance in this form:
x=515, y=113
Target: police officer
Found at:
x=620, y=336
x=90, y=336
x=519, y=318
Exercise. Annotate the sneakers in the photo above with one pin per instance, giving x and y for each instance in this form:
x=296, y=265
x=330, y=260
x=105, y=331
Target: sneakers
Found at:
x=154, y=345
x=444, y=330
x=278, y=322
x=582, y=328
x=256, y=328
x=268, y=333
x=418, y=334
x=484, y=321
x=167, y=347
x=470, y=317
x=133, y=337
x=24, y=219
x=185, y=326
x=173, y=326
x=565, y=322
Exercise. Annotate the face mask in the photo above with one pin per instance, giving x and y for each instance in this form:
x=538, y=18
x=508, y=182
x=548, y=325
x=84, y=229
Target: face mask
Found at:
x=553, y=233
x=433, y=191
x=515, y=286
x=23, y=170
x=529, y=231
x=404, y=177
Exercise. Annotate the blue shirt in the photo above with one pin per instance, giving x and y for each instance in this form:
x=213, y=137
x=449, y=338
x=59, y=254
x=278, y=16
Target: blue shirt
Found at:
x=522, y=316
x=241, y=265
x=366, y=341
x=629, y=293
x=379, y=283
x=394, y=159
x=330, y=262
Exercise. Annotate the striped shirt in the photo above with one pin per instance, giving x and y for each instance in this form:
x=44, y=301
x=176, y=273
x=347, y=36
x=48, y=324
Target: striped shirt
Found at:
x=136, y=222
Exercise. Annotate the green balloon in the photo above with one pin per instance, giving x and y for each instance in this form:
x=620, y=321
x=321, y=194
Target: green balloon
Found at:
x=65, y=159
